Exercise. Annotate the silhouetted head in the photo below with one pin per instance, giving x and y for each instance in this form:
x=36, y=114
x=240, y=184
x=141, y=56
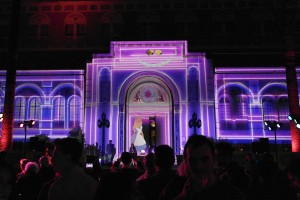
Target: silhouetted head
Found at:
x=32, y=168
x=67, y=152
x=126, y=158
x=199, y=158
x=196, y=141
x=43, y=161
x=164, y=157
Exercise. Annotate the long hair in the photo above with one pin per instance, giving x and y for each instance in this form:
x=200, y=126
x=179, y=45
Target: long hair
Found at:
x=137, y=123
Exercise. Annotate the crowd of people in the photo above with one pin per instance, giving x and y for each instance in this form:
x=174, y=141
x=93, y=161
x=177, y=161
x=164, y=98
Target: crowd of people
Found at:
x=208, y=171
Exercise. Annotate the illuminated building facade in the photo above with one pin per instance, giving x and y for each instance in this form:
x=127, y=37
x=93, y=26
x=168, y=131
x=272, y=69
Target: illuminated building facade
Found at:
x=159, y=81
x=161, y=84
x=244, y=40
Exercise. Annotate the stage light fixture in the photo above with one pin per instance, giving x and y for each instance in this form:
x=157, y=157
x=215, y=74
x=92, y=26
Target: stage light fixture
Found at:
x=272, y=125
x=296, y=120
x=278, y=124
x=21, y=125
x=267, y=123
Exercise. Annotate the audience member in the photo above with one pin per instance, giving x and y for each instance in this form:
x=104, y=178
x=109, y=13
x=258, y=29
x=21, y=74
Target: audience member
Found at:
x=164, y=159
x=116, y=186
x=292, y=173
x=199, y=157
x=116, y=165
x=22, y=164
x=140, y=165
x=127, y=168
x=7, y=181
x=46, y=171
x=149, y=167
x=250, y=164
x=228, y=169
x=44, y=192
x=265, y=182
x=72, y=182
x=182, y=170
x=28, y=186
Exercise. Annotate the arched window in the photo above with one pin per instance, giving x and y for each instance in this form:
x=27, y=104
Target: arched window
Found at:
x=233, y=109
x=75, y=25
x=240, y=109
x=39, y=26
x=224, y=112
x=59, y=112
x=111, y=25
x=283, y=108
x=269, y=108
x=35, y=108
x=19, y=109
x=74, y=112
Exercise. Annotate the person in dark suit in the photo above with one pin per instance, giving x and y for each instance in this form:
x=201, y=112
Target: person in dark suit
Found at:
x=110, y=151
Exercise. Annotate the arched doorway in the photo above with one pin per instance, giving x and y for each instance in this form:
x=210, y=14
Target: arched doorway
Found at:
x=149, y=113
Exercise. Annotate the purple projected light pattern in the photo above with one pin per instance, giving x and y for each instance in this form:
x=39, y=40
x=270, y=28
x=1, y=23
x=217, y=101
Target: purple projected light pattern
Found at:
x=36, y=94
x=232, y=103
x=245, y=98
x=165, y=64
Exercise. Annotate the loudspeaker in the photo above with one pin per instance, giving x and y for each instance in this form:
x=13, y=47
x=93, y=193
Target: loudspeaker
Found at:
x=264, y=145
x=256, y=147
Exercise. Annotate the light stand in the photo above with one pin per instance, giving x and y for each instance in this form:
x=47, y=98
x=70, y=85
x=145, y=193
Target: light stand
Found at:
x=25, y=124
x=273, y=126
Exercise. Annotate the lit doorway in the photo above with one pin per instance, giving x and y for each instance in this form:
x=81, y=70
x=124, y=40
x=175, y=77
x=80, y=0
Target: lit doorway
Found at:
x=149, y=117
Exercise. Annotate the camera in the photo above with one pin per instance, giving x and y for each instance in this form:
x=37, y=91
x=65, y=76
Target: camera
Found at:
x=89, y=165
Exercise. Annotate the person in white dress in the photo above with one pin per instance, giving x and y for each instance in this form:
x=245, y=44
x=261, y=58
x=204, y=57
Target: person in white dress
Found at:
x=138, y=136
